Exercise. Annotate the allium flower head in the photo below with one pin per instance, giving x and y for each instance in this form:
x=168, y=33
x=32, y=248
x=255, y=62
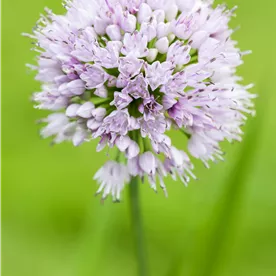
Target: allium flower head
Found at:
x=125, y=72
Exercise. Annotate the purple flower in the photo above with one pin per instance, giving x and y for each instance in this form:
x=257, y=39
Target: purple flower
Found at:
x=143, y=164
x=109, y=57
x=130, y=66
x=179, y=165
x=168, y=102
x=73, y=88
x=96, y=119
x=117, y=122
x=84, y=46
x=137, y=88
x=112, y=178
x=153, y=128
x=126, y=20
x=185, y=25
x=149, y=29
x=94, y=76
x=158, y=73
x=205, y=146
x=135, y=45
x=121, y=100
x=150, y=108
x=63, y=130
x=148, y=165
x=178, y=53
x=127, y=72
x=186, y=113
x=50, y=99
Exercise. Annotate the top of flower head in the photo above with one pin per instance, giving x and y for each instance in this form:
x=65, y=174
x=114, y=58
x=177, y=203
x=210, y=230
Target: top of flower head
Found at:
x=127, y=71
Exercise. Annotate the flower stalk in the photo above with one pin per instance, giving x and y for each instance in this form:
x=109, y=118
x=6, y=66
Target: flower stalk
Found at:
x=137, y=227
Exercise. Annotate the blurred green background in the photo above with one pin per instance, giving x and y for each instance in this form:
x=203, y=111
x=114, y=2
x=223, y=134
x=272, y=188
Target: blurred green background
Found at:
x=52, y=225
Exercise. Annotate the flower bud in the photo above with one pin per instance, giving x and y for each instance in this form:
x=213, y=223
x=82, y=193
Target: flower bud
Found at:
x=114, y=32
x=171, y=12
x=153, y=52
x=186, y=5
x=147, y=162
x=72, y=109
x=85, y=111
x=144, y=13
x=132, y=150
x=100, y=26
x=159, y=15
x=93, y=124
x=129, y=24
x=162, y=45
x=163, y=29
x=123, y=143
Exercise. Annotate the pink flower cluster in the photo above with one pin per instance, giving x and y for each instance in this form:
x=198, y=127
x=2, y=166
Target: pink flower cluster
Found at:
x=127, y=71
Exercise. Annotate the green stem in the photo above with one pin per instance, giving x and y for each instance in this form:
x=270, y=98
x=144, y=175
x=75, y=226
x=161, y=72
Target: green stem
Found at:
x=138, y=227
x=106, y=101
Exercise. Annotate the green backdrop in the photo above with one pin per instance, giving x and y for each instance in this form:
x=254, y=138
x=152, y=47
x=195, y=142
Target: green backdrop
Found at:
x=52, y=225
